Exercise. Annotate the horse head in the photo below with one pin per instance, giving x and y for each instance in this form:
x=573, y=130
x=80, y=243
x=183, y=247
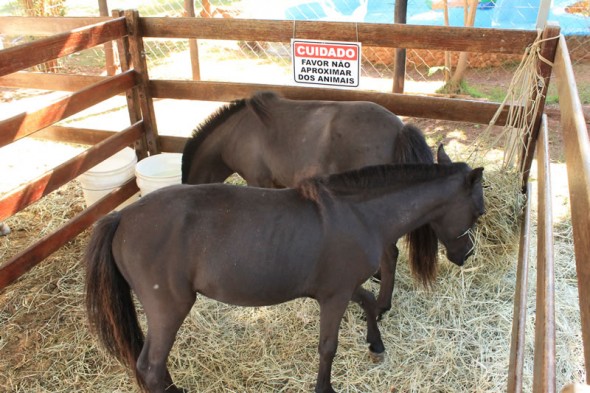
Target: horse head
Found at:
x=454, y=227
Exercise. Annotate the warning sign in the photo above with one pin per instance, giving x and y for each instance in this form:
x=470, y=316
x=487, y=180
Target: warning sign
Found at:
x=326, y=62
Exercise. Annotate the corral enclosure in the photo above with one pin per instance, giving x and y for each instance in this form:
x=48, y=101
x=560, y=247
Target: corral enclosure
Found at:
x=268, y=334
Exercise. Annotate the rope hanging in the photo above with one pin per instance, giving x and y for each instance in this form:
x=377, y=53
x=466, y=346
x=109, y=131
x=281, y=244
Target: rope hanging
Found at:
x=523, y=99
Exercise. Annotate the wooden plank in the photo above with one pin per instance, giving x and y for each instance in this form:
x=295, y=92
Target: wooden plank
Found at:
x=145, y=101
x=399, y=66
x=544, y=363
x=27, y=123
x=49, y=81
x=548, y=48
x=577, y=155
x=132, y=95
x=517, y=342
x=28, y=258
x=50, y=181
x=82, y=136
x=85, y=136
x=20, y=57
x=189, y=9
x=42, y=25
x=172, y=144
x=468, y=39
x=400, y=104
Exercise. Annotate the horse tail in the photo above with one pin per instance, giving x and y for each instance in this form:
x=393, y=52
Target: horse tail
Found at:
x=410, y=147
x=111, y=312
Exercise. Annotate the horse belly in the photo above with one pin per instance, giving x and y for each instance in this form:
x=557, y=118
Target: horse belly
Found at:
x=242, y=286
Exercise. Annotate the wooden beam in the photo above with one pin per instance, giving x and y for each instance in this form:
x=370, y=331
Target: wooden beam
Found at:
x=172, y=144
x=547, y=53
x=81, y=136
x=18, y=58
x=144, y=96
x=399, y=67
x=49, y=81
x=27, y=123
x=577, y=156
x=403, y=105
x=189, y=8
x=43, y=25
x=544, y=363
x=50, y=181
x=132, y=95
x=47, y=245
x=86, y=136
x=370, y=34
x=518, y=336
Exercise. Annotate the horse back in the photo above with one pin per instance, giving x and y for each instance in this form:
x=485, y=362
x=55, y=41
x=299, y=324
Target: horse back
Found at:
x=302, y=139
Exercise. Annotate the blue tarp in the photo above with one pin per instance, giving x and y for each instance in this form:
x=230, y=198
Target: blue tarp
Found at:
x=508, y=14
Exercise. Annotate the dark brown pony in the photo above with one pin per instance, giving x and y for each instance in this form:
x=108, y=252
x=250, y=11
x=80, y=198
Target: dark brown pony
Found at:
x=275, y=142
x=251, y=246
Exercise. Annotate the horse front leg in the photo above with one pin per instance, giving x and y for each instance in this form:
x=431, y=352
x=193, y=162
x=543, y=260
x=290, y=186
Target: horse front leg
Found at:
x=331, y=313
x=387, y=266
x=367, y=301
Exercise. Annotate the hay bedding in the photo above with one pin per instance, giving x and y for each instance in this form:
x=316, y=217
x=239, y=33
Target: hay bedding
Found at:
x=454, y=338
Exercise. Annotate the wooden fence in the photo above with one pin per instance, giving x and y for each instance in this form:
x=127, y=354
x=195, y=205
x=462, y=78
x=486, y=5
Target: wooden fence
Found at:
x=68, y=35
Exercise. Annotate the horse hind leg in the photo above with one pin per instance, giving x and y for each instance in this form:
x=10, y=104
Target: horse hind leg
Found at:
x=163, y=321
x=388, y=266
x=367, y=301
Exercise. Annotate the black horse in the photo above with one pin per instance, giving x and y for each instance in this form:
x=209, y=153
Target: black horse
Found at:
x=252, y=246
x=275, y=142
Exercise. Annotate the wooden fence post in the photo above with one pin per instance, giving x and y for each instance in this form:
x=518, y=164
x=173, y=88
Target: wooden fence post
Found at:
x=548, y=48
x=399, y=69
x=132, y=95
x=138, y=60
x=109, y=55
x=189, y=7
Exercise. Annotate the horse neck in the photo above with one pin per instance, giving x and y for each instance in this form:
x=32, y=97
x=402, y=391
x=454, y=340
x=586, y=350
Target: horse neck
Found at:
x=210, y=163
x=405, y=209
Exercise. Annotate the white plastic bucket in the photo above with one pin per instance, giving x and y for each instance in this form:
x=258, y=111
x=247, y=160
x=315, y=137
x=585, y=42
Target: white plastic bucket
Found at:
x=158, y=171
x=108, y=175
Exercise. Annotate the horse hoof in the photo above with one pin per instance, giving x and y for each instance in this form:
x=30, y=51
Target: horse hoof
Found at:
x=377, y=357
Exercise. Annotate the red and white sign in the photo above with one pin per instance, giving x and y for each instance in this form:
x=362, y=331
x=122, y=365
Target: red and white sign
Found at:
x=326, y=62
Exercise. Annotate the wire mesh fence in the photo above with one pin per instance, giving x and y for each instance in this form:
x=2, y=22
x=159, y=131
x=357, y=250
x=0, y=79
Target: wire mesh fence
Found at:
x=269, y=62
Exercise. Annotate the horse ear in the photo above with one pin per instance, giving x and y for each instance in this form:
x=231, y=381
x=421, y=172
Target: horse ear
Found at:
x=475, y=176
x=442, y=157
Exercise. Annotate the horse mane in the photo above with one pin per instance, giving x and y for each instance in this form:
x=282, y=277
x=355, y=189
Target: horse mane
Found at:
x=422, y=243
x=259, y=103
x=388, y=176
x=205, y=129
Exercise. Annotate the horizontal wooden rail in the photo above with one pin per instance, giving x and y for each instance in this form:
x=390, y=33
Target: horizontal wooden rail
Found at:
x=400, y=104
x=49, y=81
x=27, y=123
x=577, y=156
x=43, y=25
x=50, y=181
x=467, y=39
x=544, y=363
x=86, y=136
x=27, y=55
x=517, y=344
x=28, y=258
